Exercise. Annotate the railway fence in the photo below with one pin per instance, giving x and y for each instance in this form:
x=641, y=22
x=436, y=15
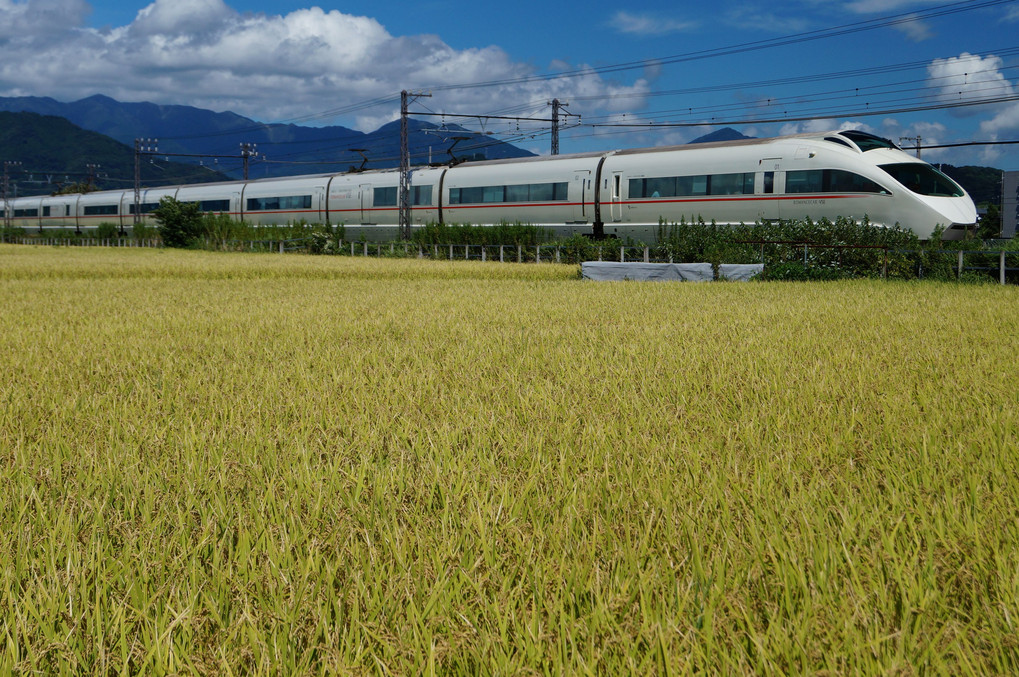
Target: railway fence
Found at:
x=825, y=261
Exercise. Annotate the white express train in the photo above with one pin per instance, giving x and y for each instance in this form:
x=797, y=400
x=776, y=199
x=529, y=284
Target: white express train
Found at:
x=624, y=193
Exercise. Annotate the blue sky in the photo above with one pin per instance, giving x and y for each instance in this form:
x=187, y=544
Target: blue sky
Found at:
x=833, y=61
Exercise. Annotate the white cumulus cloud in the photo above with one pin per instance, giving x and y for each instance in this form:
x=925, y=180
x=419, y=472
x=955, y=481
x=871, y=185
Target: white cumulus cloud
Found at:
x=968, y=78
x=648, y=24
x=269, y=67
x=887, y=6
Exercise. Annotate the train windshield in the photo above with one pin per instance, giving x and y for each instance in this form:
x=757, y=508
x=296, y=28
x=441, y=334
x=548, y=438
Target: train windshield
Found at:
x=865, y=141
x=923, y=179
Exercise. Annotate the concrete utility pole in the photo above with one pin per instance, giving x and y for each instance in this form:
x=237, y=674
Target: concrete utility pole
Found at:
x=556, y=105
x=405, y=220
x=916, y=138
x=7, y=178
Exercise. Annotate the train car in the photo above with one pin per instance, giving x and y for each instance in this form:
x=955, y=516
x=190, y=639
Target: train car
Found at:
x=25, y=212
x=367, y=203
x=148, y=202
x=268, y=202
x=59, y=211
x=625, y=193
x=101, y=207
x=850, y=174
x=556, y=192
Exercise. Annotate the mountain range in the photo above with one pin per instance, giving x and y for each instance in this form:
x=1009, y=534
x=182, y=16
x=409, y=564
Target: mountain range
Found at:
x=280, y=149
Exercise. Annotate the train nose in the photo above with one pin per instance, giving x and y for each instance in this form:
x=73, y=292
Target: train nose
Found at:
x=957, y=212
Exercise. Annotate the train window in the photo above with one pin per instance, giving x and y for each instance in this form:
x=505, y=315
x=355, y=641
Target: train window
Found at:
x=731, y=184
x=769, y=182
x=493, y=194
x=528, y=192
x=692, y=185
x=518, y=193
x=465, y=195
x=18, y=213
x=829, y=180
x=865, y=141
x=101, y=210
x=842, y=181
x=45, y=211
x=258, y=204
x=685, y=186
x=542, y=192
x=837, y=140
x=921, y=178
x=385, y=197
x=212, y=205
x=811, y=181
x=660, y=187
x=421, y=195
x=146, y=207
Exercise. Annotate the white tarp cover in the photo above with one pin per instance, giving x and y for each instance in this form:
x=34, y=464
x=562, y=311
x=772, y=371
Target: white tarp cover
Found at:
x=739, y=272
x=655, y=272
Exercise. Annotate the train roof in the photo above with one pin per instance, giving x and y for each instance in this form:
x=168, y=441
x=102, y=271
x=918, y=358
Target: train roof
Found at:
x=853, y=136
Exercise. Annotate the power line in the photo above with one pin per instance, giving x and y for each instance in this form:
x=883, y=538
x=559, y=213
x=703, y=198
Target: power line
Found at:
x=973, y=143
x=819, y=116
x=741, y=48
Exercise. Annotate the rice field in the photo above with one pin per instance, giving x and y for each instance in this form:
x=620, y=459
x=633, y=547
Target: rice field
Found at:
x=264, y=464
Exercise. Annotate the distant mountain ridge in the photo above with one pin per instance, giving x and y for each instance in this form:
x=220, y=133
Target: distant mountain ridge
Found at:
x=289, y=149
x=724, y=134
x=53, y=154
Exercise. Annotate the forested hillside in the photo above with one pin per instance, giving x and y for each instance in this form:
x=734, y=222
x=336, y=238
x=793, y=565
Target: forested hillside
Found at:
x=53, y=154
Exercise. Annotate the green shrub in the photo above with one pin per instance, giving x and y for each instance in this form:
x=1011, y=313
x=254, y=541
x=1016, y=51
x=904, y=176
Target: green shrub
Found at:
x=107, y=231
x=503, y=233
x=180, y=223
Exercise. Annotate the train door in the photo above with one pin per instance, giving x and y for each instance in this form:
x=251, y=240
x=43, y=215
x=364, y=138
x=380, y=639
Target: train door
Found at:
x=616, y=210
x=583, y=180
x=765, y=187
x=366, y=202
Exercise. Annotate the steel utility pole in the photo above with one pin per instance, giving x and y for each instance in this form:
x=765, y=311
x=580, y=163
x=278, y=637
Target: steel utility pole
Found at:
x=7, y=178
x=916, y=138
x=556, y=105
x=247, y=150
x=141, y=146
x=405, y=221
x=92, y=170
x=151, y=147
